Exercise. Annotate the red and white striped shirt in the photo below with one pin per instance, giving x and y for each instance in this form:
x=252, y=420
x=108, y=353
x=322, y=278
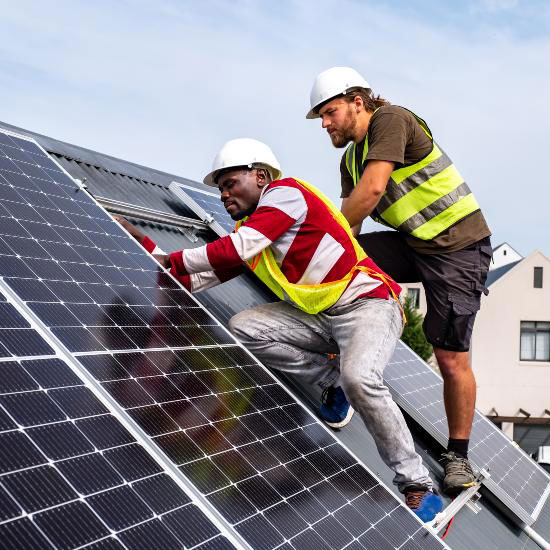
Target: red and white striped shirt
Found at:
x=308, y=244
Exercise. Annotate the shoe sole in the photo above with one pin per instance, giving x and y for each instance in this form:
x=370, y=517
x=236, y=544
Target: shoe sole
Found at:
x=342, y=423
x=454, y=490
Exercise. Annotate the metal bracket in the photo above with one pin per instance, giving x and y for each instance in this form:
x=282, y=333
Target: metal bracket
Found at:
x=468, y=497
x=81, y=183
x=190, y=233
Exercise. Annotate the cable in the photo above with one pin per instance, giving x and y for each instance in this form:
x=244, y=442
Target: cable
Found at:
x=448, y=525
x=447, y=528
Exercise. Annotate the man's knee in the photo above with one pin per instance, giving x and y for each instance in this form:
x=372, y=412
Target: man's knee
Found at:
x=356, y=384
x=239, y=324
x=452, y=363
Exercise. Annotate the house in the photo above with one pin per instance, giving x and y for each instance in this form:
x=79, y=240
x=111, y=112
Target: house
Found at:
x=511, y=345
x=142, y=194
x=511, y=350
x=504, y=254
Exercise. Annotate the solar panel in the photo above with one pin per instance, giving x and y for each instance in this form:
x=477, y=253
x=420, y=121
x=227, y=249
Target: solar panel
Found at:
x=70, y=473
x=518, y=481
x=515, y=478
x=206, y=205
x=255, y=455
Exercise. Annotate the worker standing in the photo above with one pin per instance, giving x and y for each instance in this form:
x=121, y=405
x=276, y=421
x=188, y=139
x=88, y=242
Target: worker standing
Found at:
x=334, y=299
x=394, y=171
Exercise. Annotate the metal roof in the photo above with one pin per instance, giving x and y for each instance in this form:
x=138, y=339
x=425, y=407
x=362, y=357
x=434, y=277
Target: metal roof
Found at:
x=128, y=182
x=495, y=274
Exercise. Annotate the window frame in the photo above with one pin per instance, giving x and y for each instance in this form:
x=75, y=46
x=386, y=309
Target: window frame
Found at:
x=416, y=292
x=538, y=274
x=534, y=331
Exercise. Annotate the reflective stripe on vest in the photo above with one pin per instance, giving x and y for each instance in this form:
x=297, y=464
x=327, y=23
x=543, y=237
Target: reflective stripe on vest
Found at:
x=423, y=199
x=311, y=298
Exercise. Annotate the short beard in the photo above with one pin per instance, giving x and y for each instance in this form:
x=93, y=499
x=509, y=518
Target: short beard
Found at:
x=340, y=138
x=242, y=214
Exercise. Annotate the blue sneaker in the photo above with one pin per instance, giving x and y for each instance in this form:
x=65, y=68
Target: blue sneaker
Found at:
x=424, y=502
x=335, y=409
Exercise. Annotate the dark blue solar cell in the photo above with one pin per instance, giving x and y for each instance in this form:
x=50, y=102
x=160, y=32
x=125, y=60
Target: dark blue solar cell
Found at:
x=60, y=440
x=14, y=378
x=22, y=534
x=180, y=520
x=32, y=408
x=71, y=525
x=90, y=473
x=10, y=266
x=31, y=289
x=104, y=431
x=17, y=452
x=39, y=488
x=28, y=248
x=54, y=315
x=150, y=535
x=179, y=447
x=120, y=508
x=51, y=373
x=8, y=507
x=78, y=402
x=153, y=420
x=205, y=475
x=260, y=534
x=132, y=462
x=6, y=423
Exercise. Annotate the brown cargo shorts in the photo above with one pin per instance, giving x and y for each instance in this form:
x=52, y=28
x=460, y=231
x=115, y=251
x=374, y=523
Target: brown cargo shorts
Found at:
x=453, y=282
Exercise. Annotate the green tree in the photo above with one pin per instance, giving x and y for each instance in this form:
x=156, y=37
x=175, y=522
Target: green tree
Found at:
x=413, y=335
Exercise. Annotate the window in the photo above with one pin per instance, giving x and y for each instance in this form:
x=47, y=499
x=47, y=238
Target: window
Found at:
x=414, y=295
x=537, y=277
x=534, y=341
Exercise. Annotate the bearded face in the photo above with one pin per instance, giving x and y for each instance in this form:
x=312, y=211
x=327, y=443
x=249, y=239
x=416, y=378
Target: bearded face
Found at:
x=342, y=134
x=340, y=120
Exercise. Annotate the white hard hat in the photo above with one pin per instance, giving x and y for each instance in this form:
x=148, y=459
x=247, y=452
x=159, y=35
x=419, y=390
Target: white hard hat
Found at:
x=331, y=83
x=244, y=152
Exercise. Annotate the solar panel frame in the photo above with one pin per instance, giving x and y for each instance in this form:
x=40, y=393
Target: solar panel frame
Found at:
x=276, y=395
x=413, y=408
x=206, y=205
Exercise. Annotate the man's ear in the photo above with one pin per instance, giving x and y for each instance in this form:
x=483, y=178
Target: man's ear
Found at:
x=359, y=103
x=261, y=177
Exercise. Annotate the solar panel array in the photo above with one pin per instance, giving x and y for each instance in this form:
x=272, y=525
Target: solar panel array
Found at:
x=205, y=204
x=70, y=473
x=514, y=477
x=518, y=481
x=251, y=454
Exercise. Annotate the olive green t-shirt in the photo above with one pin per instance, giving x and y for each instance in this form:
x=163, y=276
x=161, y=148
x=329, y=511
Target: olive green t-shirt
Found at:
x=395, y=135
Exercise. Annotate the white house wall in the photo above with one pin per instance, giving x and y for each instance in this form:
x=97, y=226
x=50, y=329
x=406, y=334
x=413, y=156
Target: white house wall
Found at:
x=504, y=382
x=504, y=255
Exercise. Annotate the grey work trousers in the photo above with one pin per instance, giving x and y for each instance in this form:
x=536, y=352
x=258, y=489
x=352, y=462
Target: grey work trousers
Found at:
x=364, y=333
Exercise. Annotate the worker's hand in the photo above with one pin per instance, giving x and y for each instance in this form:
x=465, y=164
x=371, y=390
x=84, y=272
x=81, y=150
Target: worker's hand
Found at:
x=163, y=260
x=131, y=228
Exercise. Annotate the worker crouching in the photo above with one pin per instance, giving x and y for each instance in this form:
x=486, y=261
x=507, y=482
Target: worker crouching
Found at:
x=333, y=300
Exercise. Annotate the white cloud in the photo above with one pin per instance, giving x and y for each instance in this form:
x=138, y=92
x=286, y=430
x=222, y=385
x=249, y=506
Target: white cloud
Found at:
x=165, y=84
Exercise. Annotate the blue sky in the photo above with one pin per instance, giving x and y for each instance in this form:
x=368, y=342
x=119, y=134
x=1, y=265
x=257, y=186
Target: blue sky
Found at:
x=165, y=83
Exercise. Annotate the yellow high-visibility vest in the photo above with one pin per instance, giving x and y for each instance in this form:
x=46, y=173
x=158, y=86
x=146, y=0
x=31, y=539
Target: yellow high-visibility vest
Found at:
x=310, y=298
x=422, y=199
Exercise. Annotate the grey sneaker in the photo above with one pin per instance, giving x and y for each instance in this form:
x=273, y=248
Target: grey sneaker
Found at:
x=458, y=473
